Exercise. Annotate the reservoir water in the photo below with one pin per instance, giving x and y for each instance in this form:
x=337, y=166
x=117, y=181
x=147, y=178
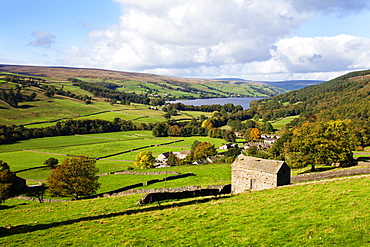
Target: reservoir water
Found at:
x=244, y=102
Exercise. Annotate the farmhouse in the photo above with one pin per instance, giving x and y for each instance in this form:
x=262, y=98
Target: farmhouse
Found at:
x=227, y=146
x=163, y=157
x=251, y=173
x=182, y=155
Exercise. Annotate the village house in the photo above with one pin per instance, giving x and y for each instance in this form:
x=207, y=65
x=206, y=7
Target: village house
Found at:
x=162, y=158
x=182, y=155
x=269, y=140
x=227, y=146
x=259, y=145
x=201, y=162
x=251, y=173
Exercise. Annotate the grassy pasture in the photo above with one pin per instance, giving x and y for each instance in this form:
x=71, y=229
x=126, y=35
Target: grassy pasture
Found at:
x=53, y=142
x=94, y=145
x=279, y=124
x=290, y=216
x=101, y=149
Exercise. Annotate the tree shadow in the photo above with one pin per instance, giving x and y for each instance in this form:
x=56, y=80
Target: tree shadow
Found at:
x=25, y=106
x=20, y=229
x=4, y=207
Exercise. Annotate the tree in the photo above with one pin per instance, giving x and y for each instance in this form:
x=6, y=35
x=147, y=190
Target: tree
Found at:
x=7, y=182
x=229, y=136
x=51, y=162
x=167, y=116
x=252, y=151
x=207, y=124
x=144, y=160
x=204, y=150
x=231, y=154
x=75, y=177
x=268, y=128
x=172, y=160
x=321, y=143
x=159, y=130
x=252, y=134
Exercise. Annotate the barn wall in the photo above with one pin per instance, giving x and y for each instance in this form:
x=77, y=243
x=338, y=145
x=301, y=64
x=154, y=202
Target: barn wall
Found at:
x=245, y=179
x=283, y=176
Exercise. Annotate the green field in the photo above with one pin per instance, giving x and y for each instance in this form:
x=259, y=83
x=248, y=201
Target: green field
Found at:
x=289, y=216
x=279, y=124
x=32, y=153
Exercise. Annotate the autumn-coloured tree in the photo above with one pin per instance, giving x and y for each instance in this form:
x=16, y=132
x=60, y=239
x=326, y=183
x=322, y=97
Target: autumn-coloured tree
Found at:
x=216, y=114
x=7, y=182
x=252, y=134
x=204, y=150
x=75, y=177
x=175, y=130
x=144, y=160
x=321, y=143
x=207, y=124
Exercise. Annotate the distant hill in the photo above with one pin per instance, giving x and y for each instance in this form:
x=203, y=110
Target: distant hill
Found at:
x=156, y=85
x=293, y=84
x=347, y=96
x=287, y=85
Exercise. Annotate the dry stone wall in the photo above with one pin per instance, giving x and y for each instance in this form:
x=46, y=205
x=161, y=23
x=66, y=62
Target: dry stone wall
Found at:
x=168, y=195
x=116, y=191
x=329, y=174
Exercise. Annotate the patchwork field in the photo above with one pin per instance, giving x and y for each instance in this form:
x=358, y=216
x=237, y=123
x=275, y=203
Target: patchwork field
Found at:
x=24, y=155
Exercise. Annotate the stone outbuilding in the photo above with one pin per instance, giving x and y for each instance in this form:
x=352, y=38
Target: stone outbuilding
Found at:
x=251, y=173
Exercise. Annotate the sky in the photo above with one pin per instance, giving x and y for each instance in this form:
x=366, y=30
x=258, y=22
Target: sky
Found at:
x=261, y=40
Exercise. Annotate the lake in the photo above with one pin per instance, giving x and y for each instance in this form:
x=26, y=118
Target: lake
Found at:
x=244, y=102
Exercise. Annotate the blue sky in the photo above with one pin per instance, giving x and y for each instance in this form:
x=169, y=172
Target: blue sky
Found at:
x=249, y=39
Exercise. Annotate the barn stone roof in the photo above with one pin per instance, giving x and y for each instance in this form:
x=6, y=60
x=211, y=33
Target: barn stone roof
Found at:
x=258, y=164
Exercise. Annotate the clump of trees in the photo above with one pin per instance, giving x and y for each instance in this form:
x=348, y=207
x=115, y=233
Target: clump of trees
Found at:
x=75, y=177
x=104, y=90
x=13, y=98
x=230, y=108
x=202, y=150
x=9, y=134
x=321, y=143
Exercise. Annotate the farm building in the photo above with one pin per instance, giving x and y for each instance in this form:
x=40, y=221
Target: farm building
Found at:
x=251, y=173
x=183, y=154
x=227, y=146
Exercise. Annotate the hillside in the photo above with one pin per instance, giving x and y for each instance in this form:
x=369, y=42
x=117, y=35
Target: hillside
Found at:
x=155, y=85
x=347, y=96
x=289, y=216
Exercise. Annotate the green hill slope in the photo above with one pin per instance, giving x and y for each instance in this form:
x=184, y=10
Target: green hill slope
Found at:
x=347, y=96
x=322, y=214
x=156, y=85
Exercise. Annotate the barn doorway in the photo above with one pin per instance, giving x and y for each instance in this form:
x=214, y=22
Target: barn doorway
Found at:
x=253, y=184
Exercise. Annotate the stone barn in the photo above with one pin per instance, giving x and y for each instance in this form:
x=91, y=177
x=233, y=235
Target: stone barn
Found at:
x=251, y=173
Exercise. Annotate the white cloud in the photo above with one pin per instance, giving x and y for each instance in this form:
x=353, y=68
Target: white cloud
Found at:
x=319, y=54
x=42, y=39
x=213, y=38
